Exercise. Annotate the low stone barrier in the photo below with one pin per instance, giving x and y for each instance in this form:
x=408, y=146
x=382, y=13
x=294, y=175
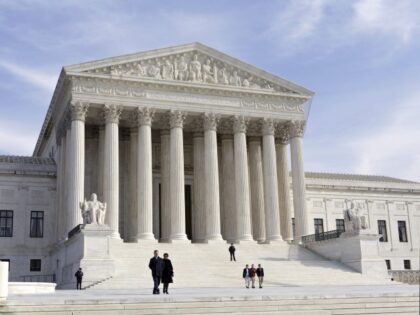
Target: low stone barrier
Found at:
x=4, y=280
x=405, y=276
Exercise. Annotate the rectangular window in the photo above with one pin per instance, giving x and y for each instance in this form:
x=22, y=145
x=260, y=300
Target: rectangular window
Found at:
x=6, y=223
x=382, y=231
x=339, y=223
x=35, y=265
x=407, y=264
x=37, y=224
x=402, y=231
x=388, y=264
x=6, y=260
x=319, y=226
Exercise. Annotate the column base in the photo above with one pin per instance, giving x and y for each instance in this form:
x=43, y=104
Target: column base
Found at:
x=179, y=238
x=274, y=239
x=115, y=235
x=146, y=237
x=214, y=238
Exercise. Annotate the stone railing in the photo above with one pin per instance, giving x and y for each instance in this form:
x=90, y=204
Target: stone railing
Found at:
x=38, y=278
x=405, y=276
x=321, y=236
x=74, y=231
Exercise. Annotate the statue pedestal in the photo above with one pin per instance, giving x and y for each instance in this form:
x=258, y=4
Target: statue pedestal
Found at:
x=360, y=251
x=88, y=249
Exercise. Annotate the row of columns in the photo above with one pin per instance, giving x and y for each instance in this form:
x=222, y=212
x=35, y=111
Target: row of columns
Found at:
x=256, y=192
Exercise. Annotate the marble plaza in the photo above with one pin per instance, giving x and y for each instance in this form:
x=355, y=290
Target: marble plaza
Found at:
x=186, y=149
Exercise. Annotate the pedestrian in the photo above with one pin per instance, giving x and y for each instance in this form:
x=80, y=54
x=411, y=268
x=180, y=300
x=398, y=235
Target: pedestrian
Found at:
x=252, y=273
x=232, y=250
x=79, y=277
x=156, y=266
x=245, y=275
x=260, y=275
x=168, y=273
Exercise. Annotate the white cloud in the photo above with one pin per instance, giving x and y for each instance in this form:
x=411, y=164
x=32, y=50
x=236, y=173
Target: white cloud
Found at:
x=31, y=76
x=399, y=19
x=296, y=21
x=392, y=149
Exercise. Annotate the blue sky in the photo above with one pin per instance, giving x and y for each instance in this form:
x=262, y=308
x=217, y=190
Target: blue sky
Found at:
x=361, y=57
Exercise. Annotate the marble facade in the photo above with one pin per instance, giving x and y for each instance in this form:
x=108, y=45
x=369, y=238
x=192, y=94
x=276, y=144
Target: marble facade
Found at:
x=186, y=144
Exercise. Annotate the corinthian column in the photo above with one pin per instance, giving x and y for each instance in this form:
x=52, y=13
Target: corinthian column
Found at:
x=257, y=189
x=199, y=213
x=271, y=197
x=283, y=185
x=111, y=168
x=165, y=208
x=66, y=182
x=177, y=189
x=243, y=212
x=211, y=173
x=133, y=212
x=76, y=167
x=298, y=179
x=144, y=176
x=228, y=187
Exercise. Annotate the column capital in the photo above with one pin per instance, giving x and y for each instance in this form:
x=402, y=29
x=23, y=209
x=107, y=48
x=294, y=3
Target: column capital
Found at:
x=78, y=110
x=239, y=124
x=296, y=128
x=176, y=118
x=282, y=134
x=210, y=121
x=267, y=127
x=144, y=116
x=112, y=113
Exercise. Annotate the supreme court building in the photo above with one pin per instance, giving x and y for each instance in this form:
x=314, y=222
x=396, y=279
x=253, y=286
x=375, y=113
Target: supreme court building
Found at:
x=186, y=144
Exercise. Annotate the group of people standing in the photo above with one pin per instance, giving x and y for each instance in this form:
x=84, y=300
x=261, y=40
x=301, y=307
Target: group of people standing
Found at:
x=162, y=271
x=249, y=275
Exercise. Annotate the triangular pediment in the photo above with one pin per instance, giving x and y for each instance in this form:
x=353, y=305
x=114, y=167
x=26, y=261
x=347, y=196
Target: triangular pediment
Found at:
x=192, y=63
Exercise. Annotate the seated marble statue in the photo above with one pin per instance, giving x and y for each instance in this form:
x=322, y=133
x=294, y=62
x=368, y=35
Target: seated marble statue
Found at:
x=93, y=211
x=353, y=221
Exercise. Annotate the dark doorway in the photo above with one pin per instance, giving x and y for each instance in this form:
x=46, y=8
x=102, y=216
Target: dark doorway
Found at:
x=188, y=206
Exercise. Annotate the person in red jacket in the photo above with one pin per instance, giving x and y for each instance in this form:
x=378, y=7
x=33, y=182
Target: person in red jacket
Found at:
x=252, y=274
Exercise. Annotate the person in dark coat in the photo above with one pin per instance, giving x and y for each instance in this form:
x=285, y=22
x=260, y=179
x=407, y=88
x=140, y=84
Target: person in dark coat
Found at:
x=246, y=276
x=79, y=277
x=156, y=266
x=260, y=275
x=232, y=250
x=167, y=274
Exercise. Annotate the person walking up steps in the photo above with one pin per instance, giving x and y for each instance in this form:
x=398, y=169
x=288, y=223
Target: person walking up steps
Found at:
x=232, y=250
x=167, y=274
x=79, y=277
x=260, y=275
x=156, y=266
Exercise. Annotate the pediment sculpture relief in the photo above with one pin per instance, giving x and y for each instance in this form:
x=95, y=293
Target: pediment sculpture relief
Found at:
x=353, y=221
x=190, y=67
x=93, y=211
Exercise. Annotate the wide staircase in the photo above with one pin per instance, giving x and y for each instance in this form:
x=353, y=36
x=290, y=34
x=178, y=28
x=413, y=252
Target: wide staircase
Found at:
x=208, y=265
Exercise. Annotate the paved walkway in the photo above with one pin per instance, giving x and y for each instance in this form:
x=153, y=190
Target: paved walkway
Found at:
x=184, y=294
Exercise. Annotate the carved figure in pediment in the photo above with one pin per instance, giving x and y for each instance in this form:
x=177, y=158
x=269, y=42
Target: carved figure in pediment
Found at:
x=140, y=70
x=235, y=79
x=154, y=71
x=267, y=86
x=116, y=70
x=208, y=73
x=224, y=76
x=195, y=70
x=181, y=69
x=93, y=211
x=168, y=70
